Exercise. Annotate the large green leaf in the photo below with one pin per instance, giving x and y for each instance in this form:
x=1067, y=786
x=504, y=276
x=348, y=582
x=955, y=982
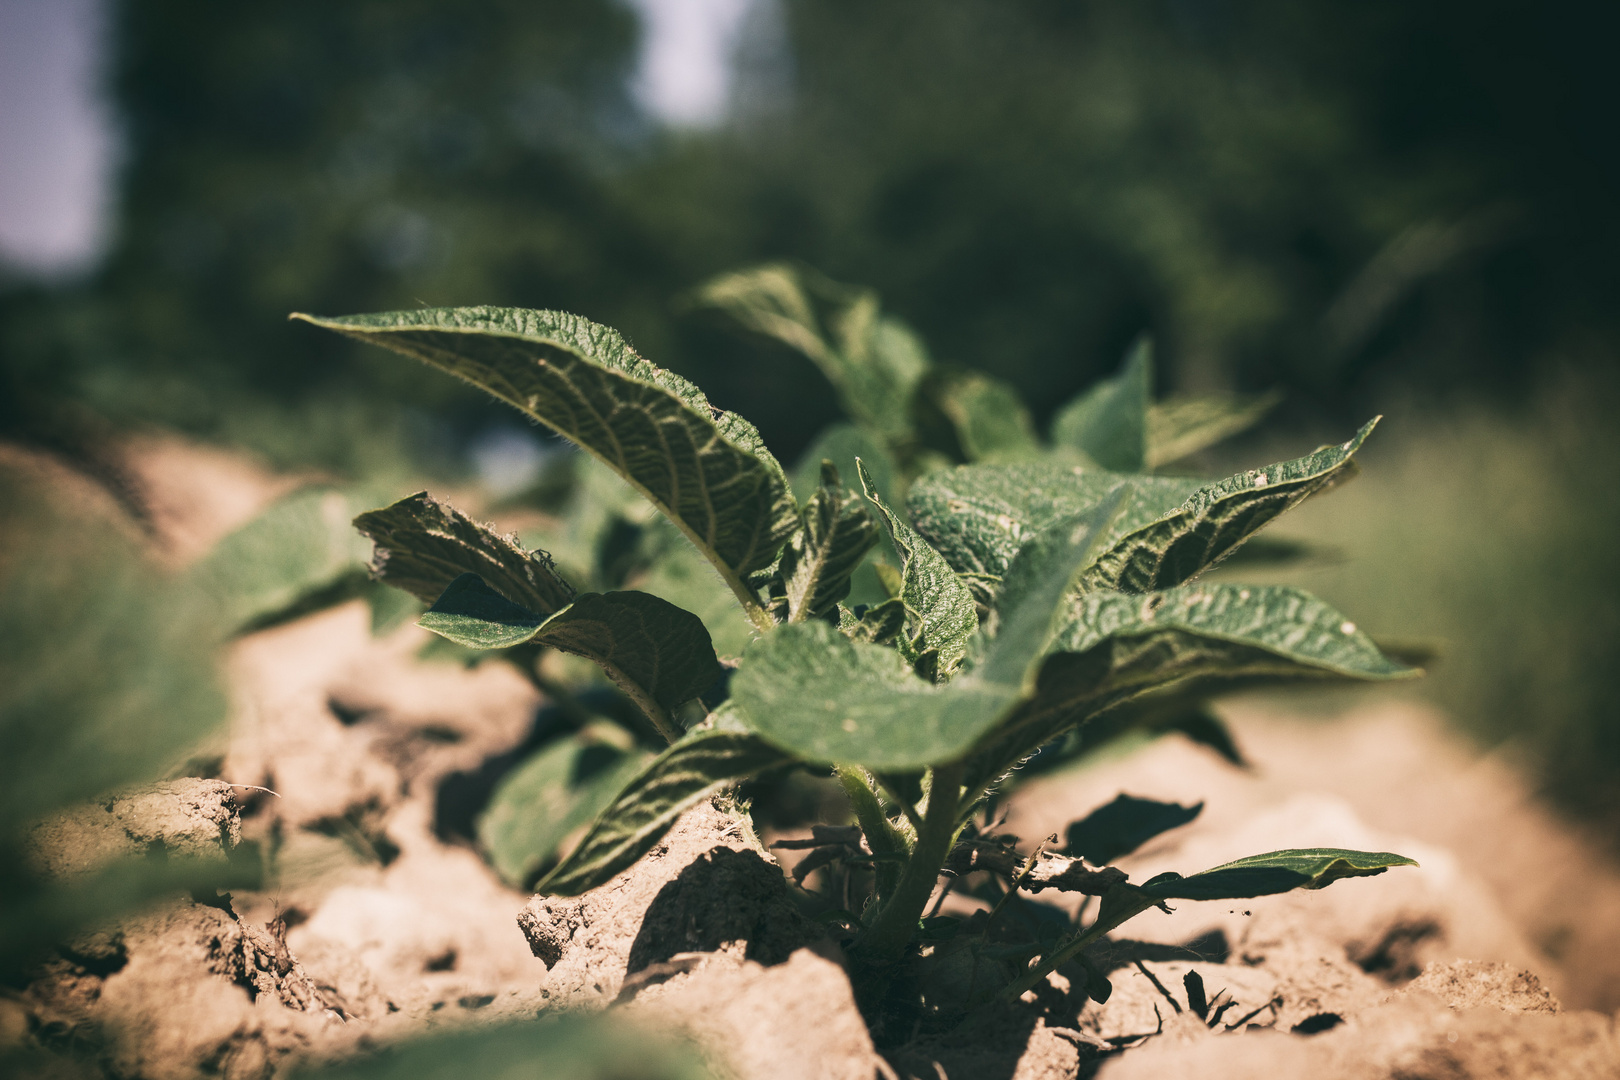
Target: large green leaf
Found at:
x=809, y=689
x=873, y=361
x=985, y=415
x=1180, y=427
x=1274, y=872
x=657, y=653
x=1115, y=646
x=422, y=545
x=819, y=559
x=698, y=765
x=706, y=469
x=1109, y=422
x=558, y=790
x=940, y=612
x=978, y=517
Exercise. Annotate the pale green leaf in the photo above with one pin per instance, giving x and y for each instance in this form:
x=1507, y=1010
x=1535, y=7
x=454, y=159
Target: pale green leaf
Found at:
x=873, y=361
x=819, y=559
x=422, y=545
x=683, y=577
x=656, y=652
x=811, y=690
x=693, y=768
x=940, y=613
x=551, y=795
x=986, y=415
x=299, y=554
x=707, y=470
x=1274, y=872
x=1109, y=422
x=1180, y=427
x=841, y=444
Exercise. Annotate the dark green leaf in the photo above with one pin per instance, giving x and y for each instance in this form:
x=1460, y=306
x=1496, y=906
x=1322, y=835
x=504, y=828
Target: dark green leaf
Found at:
x=422, y=545
x=1181, y=427
x=836, y=534
x=872, y=360
x=1275, y=872
x=940, y=613
x=809, y=689
x=1120, y=827
x=650, y=803
x=558, y=790
x=656, y=652
x=707, y=470
x=986, y=415
x=1109, y=422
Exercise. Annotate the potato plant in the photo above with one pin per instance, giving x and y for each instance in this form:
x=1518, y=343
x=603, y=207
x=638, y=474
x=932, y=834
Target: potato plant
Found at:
x=1032, y=590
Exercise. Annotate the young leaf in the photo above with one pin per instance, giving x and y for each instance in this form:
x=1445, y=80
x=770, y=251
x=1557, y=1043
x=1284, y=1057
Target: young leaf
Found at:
x=940, y=612
x=818, y=560
x=986, y=415
x=1120, y=827
x=657, y=653
x=422, y=545
x=1216, y=519
x=1109, y=422
x=873, y=361
x=812, y=691
x=542, y=801
x=1275, y=872
x=841, y=444
x=650, y=803
x=1181, y=427
x=707, y=470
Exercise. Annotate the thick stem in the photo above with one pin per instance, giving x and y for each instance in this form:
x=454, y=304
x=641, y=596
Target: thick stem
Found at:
x=883, y=837
x=886, y=939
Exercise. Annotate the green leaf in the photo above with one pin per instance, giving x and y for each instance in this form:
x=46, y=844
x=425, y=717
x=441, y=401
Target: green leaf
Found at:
x=812, y=691
x=1030, y=601
x=683, y=577
x=657, y=653
x=422, y=545
x=1109, y=422
x=1181, y=427
x=298, y=555
x=1275, y=872
x=693, y=768
x=1215, y=520
x=819, y=559
x=552, y=794
x=940, y=613
x=978, y=517
x=1116, y=646
x=707, y=470
x=1120, y=827
x=873, y=361
x=986, y=415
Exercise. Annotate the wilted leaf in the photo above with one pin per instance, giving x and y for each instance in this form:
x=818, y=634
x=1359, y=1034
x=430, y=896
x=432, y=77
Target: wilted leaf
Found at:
x=696, y=766
x=1180, y=427
x=819, y=558
x=422, y=545
x=1275, y=872
x=558, y=790
x=1120, y=827
x=940, y=613
x=1109, y=422
x=707, y=470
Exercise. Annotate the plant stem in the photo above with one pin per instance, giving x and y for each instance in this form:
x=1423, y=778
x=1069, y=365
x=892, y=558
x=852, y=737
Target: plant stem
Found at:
x=1128, y=905
x=883, y=837
x=886, y=939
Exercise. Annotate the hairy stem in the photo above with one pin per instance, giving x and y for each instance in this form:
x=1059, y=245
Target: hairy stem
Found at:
x=886, y=939
x=882, y=836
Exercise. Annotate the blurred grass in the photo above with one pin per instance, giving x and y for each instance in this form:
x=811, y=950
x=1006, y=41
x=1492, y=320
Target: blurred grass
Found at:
x=1492, y=531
